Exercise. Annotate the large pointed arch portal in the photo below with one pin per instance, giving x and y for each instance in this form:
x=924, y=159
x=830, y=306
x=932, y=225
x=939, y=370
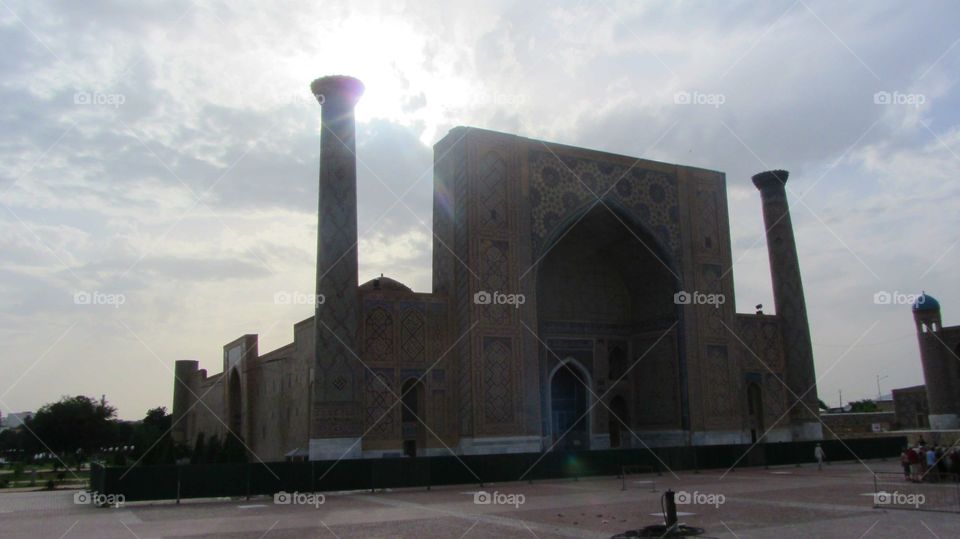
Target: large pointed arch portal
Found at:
x=605, y=298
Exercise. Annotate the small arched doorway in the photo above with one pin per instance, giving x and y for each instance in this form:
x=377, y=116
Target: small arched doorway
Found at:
x=568, y=408
x=411, y=416
x=755, y=411
x=619, y=421
x=236, y=404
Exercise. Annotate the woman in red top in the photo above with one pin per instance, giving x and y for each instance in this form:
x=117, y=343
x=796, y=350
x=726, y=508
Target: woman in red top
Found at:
x=914, y=460
x=905, y=463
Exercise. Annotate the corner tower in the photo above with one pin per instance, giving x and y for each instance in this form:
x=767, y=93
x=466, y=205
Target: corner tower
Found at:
x=335, y=419
x=790, y=303
x=941, y=371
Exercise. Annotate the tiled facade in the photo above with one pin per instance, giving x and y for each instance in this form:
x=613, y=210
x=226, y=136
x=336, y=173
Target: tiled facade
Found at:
x=554, y=321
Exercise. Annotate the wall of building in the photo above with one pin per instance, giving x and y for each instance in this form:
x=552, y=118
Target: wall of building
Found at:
x=207, y=416
x=500, y=203
x=405, y=338
x=762, y=362
x=853, y=425
x=910, y=407
x=538, y=191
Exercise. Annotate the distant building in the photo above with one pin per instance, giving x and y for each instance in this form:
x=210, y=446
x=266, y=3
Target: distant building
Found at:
x=857, y=424
x=939, y=350
x=15, y=419
x=910, y=404
x=904, y=409
x=885, y=403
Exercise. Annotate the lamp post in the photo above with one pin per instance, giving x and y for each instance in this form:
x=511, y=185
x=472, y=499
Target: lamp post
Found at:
x=878, y=384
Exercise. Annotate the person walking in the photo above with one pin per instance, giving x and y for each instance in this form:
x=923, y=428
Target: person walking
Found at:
x=820, y=456
x=932, y=471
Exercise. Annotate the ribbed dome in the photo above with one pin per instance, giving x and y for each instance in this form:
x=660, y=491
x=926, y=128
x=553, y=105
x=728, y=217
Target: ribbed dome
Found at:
x=384, y=283
x=926, y=302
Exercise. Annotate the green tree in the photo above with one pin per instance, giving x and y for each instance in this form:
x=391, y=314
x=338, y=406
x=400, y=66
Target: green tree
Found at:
x=73, y=426
x=232, y=450
x=212, y=452
x=151, y=437
x=16, y=443
x=865, y=405
x=199, y=450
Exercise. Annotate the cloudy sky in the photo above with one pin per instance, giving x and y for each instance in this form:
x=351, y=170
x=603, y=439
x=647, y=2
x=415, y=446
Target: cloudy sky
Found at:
x=162, y=158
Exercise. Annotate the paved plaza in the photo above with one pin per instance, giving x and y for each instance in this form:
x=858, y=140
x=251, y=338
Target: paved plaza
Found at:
x=781, y=502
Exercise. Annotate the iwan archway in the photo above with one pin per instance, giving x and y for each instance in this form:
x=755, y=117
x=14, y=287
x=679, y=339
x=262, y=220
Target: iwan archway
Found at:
x=605, y=302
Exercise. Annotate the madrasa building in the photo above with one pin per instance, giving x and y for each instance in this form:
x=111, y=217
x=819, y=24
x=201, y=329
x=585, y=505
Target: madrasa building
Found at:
x=580, y=300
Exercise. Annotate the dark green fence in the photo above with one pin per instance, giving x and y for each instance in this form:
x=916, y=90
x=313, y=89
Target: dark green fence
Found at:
x=168, y=482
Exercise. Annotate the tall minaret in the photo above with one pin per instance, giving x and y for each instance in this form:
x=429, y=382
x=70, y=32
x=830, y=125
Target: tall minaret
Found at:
x=941, y=369
x=335, y=421
x=790, y=304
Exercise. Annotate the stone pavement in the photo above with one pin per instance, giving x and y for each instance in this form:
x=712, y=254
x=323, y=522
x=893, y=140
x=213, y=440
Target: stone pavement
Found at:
x=782, y=503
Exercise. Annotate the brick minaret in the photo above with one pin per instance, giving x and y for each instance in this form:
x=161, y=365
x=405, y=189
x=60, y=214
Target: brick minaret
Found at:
x=941, y=370
x=335, y=410
x=790, y=304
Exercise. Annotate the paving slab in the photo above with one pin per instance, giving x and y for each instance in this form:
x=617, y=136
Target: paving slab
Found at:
x=781, y=503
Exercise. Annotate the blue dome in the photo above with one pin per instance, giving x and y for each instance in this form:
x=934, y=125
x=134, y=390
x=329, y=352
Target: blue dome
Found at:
x=926, y=302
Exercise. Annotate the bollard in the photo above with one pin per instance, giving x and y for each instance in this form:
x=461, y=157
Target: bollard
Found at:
x=671, y=511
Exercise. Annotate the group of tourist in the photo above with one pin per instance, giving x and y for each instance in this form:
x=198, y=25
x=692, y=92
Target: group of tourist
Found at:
x=929, y=463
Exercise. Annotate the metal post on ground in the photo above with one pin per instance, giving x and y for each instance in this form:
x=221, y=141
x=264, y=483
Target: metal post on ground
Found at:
x=313, y=478
x=670, y=516
x=530, y=469
x=179, y=468
x=247, y=467
x=373, y=480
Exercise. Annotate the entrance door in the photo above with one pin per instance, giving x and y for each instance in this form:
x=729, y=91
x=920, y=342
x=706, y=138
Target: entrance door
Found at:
x=755, y=411
x=618, y=421
x=411, y=416
x=568, y=398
